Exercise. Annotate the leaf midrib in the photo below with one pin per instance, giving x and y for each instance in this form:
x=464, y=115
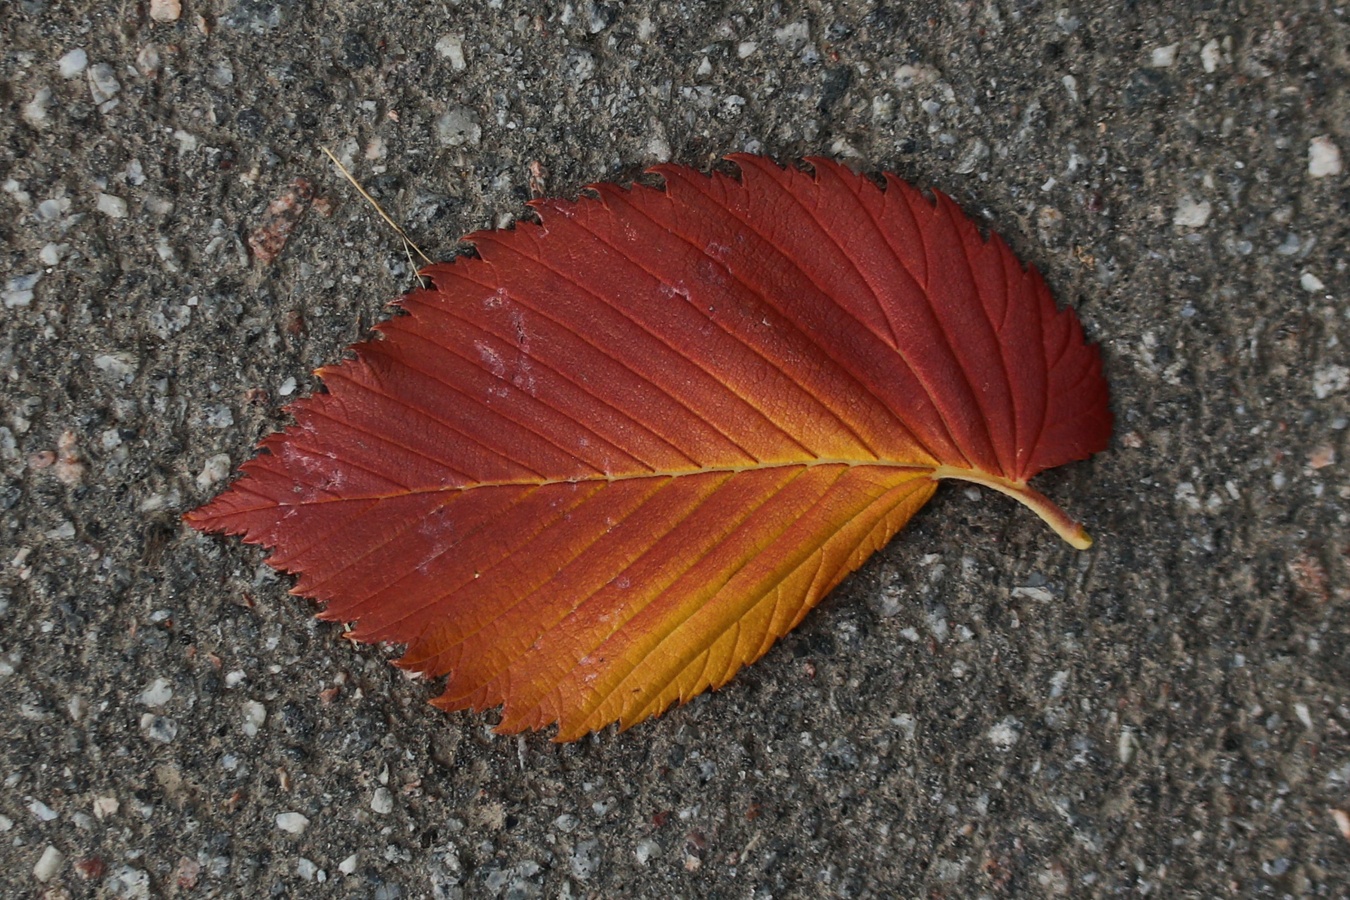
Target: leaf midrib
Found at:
x=1056, y=518
x=629, y=476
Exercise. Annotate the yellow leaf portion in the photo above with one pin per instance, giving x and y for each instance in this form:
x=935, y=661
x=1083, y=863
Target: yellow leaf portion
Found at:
x=691, y=578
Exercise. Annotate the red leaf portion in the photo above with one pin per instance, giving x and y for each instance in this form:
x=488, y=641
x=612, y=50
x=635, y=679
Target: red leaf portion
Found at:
x=605, y=464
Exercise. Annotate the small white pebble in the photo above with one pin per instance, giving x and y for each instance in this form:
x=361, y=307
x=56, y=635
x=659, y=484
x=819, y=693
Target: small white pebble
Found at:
x=215, y=470
x=147, y=60
x=73, y=63
x=1191, y=213
x=383, y=801
x=51, y=254
x=160, y=729
x=103, y=83
x=222, y=74
x=794, y=33
x=53, y=208
x=219, y=416
x=1163, y=57
x=907, y=724
x=937, y=626
x=112, y=206
x=117, y=366
x=1005, y=733
x=1058, y=682
x=153, y=502
x=458, y=127
x=306, y=869
x=165, y=10
x=745, y=49
x=127, y=882
x=909, y=76
x=63, y=532
x=255, y=714
x=164, y=250
x=287, y=387
x=187, y=142
x=1330, y=379
x=1032, y=592
x=1127, y=745
x=292, y=822
x=658, y=148
x=451, y=47
x=645, y=850
x=235, y=678
x=1324, y=157
x=18, y=290
x=48, y=864
x=157, y=695
x=105, y=807
x=1342, y=820
x=1210, y=56
x=348, y=865
x=42, y=811
x=1304, y=715
x=1311, y=283
x=35, y=110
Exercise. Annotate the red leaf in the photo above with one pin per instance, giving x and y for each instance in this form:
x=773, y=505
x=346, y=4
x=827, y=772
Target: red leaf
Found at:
x=611, y=460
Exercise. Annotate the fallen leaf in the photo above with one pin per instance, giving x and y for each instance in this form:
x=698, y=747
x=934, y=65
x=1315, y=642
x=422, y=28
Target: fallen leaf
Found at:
x=609, y=461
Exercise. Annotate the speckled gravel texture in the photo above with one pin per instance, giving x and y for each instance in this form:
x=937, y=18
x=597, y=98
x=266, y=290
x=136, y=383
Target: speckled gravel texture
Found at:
x=979, y=712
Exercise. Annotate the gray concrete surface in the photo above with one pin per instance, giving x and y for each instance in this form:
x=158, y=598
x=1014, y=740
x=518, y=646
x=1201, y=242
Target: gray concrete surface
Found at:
x=979, y=712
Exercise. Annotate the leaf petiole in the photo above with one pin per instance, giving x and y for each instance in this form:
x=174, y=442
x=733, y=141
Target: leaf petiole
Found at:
x=1064, y=525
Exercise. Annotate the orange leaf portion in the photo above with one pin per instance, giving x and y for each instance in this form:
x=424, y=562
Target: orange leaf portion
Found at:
x=610, y=461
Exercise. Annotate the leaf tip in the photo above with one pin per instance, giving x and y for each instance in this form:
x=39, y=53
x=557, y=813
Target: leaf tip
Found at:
x=202, y=518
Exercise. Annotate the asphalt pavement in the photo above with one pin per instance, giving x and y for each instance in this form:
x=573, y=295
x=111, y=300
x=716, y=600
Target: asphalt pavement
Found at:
x=980, y=711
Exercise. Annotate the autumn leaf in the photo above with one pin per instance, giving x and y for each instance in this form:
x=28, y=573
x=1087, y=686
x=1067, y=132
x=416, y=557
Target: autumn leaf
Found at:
x=604, y=464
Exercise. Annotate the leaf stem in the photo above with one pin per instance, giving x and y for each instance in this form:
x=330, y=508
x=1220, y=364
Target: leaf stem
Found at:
x=1064, y=525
